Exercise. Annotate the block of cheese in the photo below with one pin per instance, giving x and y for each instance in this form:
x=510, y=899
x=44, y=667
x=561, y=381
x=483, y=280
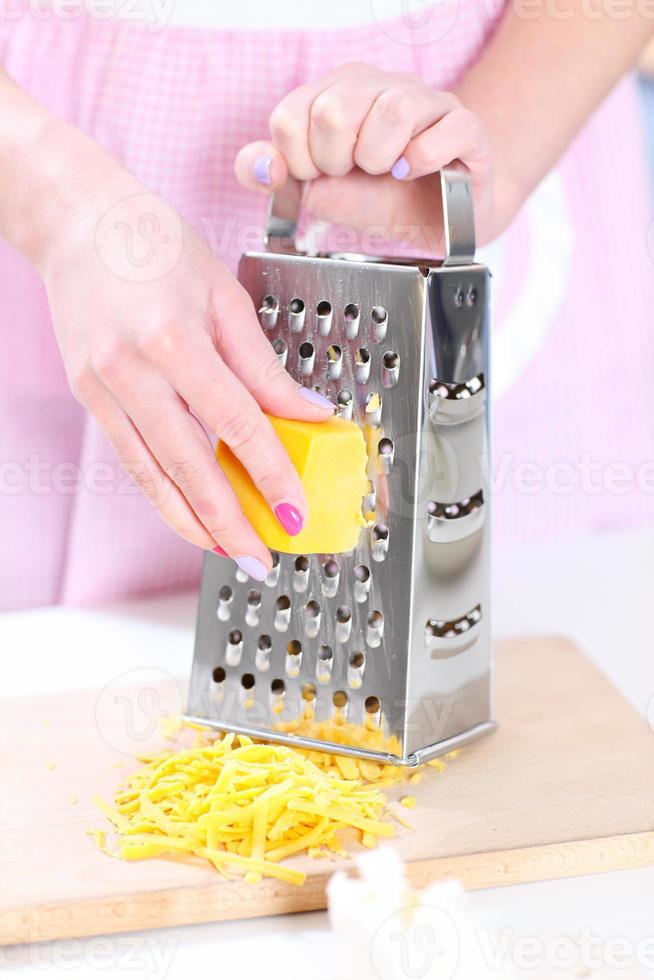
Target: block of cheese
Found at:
x=331, y=460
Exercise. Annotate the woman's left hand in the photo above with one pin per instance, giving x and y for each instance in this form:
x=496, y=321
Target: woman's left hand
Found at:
x=369, y=143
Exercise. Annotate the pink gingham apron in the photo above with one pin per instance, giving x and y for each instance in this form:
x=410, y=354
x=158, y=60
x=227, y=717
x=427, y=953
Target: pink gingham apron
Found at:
x=574, y=291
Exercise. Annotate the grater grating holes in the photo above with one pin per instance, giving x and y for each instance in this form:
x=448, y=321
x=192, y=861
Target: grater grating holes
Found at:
x=301, y=573
x=373, y=408
x=361, y=583
x=372, y=706
x=268, y=312
x=375, y=628
x=379, y=318
x=362, y=361
x=253, y=610
x=293, y=658
x=225, y=602
x=217, y=691
x=272, y=577
x=324, y=317
x=234, y=648
x=296, y=315
x=306, y=358
x=390, y=372
x=277, y=696
x=379, y=542
x=332, y=574
x=345, y=404
x=340, y=703
x=385, y=455
x=352, y=318
x=309, y=693
x=282, y=613
x=312, y=617
x=334, y=356
x=264, y=652
x=343, y=623
x=355, y=668
x=280, y=348
x=324, y=664
x=246, y=690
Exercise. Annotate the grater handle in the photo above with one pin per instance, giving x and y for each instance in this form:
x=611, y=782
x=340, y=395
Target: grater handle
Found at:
x=458, y=216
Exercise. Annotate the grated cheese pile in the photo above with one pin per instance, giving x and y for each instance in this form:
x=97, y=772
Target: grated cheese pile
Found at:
x=244, y=806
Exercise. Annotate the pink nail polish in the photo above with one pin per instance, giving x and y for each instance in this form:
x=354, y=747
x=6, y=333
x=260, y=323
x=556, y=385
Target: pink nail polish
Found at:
x=219, y=551
x=290, y=518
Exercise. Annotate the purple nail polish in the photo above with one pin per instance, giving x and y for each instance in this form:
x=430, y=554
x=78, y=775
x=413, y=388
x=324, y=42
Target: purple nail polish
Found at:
x=252, y=567
x=316, y=398
x=290, y=518
x=400, y=168
x=261, y=170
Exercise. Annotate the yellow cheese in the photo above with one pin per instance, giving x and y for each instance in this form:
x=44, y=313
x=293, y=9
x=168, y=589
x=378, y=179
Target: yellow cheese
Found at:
x=244, y=806
x=241, y=806
x=330, y=458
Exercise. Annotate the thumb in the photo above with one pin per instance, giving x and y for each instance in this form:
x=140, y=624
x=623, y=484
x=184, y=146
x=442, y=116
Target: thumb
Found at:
x=260, y=167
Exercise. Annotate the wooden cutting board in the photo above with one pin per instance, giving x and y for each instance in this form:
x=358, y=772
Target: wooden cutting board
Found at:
x=563, y=787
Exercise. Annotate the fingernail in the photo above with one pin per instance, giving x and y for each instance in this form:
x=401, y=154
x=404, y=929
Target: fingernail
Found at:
x=261, y=170
x=400, y=168
x=316, y=398
x=290, y=518
x=252, y=567
x=219, y=551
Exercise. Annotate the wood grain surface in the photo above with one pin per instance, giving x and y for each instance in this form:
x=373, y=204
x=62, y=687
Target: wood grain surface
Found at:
x=564, y=787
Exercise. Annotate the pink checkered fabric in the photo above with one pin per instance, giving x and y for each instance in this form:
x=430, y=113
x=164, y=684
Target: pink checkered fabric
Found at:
x=574, y=293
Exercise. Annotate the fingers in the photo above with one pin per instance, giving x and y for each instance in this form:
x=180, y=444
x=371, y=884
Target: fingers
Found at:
x=398, y=114
x=249, y=354
x=459, y=135
x=186, y=457
x=360, y=118
x=290, y=120
x=216, y=395
x=260, y=167
x=336, y=117
x=146, y=473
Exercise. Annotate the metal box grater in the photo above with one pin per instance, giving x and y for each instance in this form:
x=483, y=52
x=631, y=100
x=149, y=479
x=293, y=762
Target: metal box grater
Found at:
x=396, y=634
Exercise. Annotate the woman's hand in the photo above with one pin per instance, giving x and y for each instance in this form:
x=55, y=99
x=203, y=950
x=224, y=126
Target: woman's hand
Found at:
x=155, y=334
x=370, y=142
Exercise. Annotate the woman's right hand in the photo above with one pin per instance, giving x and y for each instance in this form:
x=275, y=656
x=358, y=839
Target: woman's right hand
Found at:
x=155, y=333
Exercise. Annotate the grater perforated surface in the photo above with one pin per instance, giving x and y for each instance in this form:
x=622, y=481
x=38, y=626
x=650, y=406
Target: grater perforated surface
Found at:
x=396, y=634
x=334, y=633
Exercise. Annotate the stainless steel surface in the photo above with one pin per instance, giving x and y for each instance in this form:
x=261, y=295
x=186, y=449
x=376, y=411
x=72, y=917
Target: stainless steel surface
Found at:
x=458, y=216
x=395, y=634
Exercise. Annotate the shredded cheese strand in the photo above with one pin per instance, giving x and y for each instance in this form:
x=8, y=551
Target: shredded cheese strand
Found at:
x=245, y=806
